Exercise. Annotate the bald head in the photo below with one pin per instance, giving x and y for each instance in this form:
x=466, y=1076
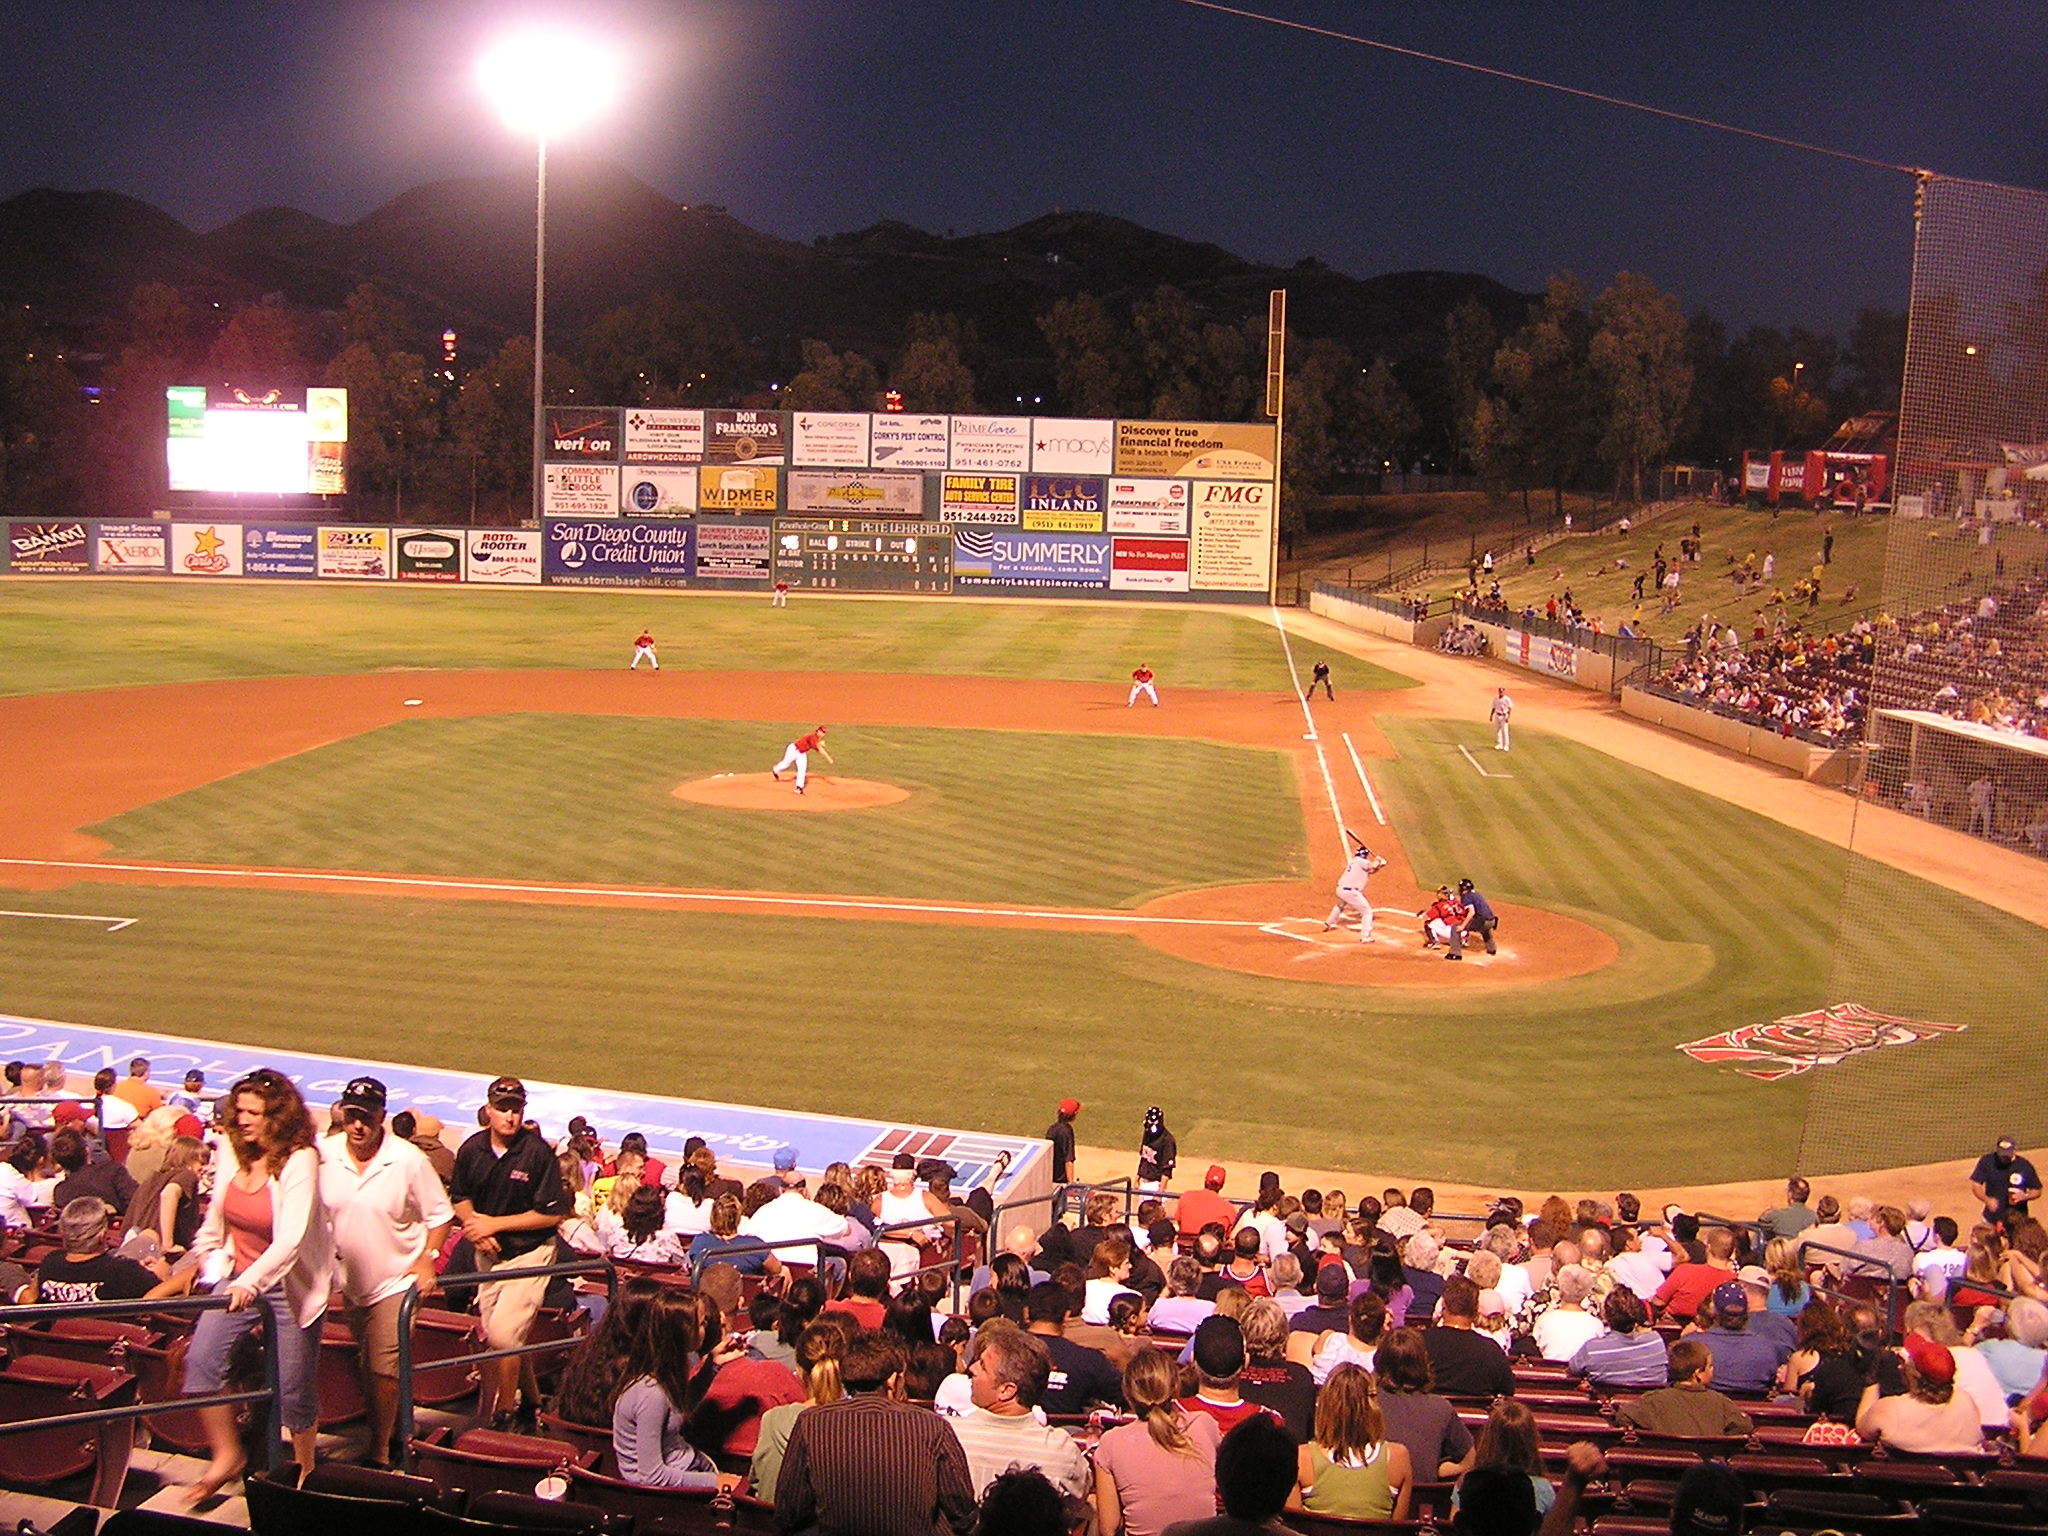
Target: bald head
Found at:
x=1021, y=1241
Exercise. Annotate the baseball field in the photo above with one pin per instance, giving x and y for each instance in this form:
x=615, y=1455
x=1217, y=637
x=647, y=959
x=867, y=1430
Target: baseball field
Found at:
x=450, y=828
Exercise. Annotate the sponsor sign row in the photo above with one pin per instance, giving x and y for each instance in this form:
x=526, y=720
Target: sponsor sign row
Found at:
x=351, y=552
x=647, y=437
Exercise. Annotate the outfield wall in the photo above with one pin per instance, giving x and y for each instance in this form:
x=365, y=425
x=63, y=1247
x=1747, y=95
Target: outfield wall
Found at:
x=1393, y=622
x=1825, y=764
x=745, y=500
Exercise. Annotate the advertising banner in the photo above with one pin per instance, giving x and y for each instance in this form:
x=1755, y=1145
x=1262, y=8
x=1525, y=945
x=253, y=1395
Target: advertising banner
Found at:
x=737, y=488
x=136, y=549
x=1210, y=450
x=1070, y=446
x=745, y=437
x=1541, y=654
x=657, y=491
x=581, y=490
x=984, y=557
x=206, y=549
x=979, y=499
x=735, y=551
x=583, y=434
x=269, y=550
x=355, y=554
x=1148, y=565
x=1233, y=536
x=48, y=549
x=1148, y=506
x=620, y=552
x=664, y=437
x=829, y=439
x=855, y=493
x=427, y=554
x=908, y=442
x=990, y=444
x=1063, y=504
x=504, y=557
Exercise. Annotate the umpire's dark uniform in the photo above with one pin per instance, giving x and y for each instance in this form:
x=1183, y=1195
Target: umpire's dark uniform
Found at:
x=1482, y=922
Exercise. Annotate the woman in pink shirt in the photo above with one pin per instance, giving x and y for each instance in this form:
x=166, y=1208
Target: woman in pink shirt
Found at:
x=266, y=1243
x=1162, y=1469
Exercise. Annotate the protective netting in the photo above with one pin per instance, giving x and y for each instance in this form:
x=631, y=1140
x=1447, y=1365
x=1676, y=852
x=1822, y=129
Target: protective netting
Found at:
x=1960, y=703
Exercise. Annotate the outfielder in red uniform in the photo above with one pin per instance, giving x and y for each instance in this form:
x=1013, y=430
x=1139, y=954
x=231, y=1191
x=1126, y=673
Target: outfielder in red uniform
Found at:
x=644, y=646
x=797, y=754
x=1141, y=682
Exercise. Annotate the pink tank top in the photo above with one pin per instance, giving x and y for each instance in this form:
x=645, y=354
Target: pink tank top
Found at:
x=247, y=1215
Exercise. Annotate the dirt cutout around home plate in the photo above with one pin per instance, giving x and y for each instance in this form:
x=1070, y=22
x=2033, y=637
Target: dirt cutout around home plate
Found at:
x=762, y=792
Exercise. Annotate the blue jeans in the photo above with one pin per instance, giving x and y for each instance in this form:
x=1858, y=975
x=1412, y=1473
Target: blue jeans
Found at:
x=298, y=1354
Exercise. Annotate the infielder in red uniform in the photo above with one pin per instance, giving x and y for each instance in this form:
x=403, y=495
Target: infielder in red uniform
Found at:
x=1141, y=682
x=797, y=754
x=644, y=646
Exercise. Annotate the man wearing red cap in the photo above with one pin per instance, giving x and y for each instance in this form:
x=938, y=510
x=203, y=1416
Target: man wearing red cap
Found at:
x=1199, y=1207
x=1061, y=1134
x=797, y=755
x=1930, y=1415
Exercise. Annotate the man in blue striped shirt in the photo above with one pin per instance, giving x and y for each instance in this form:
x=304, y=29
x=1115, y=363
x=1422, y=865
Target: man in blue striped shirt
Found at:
x=1630, y=1353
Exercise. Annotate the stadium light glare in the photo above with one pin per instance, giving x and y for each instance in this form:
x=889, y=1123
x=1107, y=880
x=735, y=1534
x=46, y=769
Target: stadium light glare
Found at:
x=545, y=82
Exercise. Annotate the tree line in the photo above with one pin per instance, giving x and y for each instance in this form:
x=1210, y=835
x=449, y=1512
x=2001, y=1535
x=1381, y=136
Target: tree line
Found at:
x=1586, y=393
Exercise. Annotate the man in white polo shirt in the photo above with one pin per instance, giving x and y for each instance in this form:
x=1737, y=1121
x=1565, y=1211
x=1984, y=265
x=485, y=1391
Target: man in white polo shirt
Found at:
x=390, y=1216
x=794, y=1214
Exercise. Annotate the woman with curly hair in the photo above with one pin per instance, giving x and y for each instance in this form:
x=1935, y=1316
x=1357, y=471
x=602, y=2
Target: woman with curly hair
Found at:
x=264, y=1243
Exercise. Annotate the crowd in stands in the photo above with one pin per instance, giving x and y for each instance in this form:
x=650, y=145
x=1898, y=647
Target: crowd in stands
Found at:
x=1983, y=660
x=802, y=1346
x=1799, y=684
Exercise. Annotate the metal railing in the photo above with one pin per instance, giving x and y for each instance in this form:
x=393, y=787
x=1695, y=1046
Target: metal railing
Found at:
x=271, y=1393
x=408, y=1309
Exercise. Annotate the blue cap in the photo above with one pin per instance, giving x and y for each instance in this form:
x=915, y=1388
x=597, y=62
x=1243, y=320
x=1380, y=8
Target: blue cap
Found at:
x=785, y=1159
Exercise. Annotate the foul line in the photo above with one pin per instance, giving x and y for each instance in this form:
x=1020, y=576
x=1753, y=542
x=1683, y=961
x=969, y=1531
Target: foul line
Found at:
x=1371, y=799
x=1281, y=625
x=1476, y=765
x=114, y=924
x=228, y=873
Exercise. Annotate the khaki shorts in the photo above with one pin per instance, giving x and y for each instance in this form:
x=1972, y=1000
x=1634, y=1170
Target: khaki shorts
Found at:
x=376, y=1330
x=508, y=1307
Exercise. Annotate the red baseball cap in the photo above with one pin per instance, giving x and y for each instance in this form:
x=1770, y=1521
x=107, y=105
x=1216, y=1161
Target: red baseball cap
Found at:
x=1931, y=1359
x=69, y=1109
x=1215, y=1177
x=190, y=1125
x=1070, y=1106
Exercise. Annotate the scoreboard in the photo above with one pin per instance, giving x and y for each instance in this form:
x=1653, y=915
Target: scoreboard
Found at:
x=843, y=555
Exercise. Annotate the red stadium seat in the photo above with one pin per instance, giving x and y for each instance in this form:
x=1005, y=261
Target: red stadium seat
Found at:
x=46, y=1387
x=486, y=1461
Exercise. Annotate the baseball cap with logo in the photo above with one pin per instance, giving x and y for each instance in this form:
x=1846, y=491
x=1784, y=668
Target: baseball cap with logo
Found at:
x=363, y=1093
x=2007, y=1146
x=506, y=1093
x=1931, y=1359
x=785, y=1159
x=1070, y=1107
x=1214, y=1178
x=1731, y=1297
x=1710, y=1501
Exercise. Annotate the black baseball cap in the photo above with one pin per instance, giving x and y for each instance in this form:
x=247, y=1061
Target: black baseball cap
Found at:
x=505, y=1092
x=363, y=1093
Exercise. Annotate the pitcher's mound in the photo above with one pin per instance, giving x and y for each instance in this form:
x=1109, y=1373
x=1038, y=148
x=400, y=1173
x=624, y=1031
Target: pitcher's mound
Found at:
x=759, y=792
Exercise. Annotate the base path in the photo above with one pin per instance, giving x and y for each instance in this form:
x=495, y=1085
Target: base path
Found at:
x=764, y=792
x=70, y=761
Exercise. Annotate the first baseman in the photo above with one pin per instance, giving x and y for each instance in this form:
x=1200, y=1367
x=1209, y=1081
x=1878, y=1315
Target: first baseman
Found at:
x=798, y=753
x=1141, y=682
x=644, y=646
x=1351, y=891
x=1503, y=707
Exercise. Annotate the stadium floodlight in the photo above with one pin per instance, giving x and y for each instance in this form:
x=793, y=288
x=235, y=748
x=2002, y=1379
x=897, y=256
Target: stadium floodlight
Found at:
x=546, y=83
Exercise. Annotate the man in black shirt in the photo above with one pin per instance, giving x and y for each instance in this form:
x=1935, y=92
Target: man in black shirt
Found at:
x=1080, y=1375
x=2006, y=1183
x=1465, y=1363
x=85, y=1271
x=1061, y=1134
x=1332, y=1308
x=508, y=1195
x=85, y=1174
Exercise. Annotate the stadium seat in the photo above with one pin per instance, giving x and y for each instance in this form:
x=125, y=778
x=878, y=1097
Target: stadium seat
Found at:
x=1958, y=1517
x=485, y=1513
x=486, y=1461
x=91, y=1340
x=47, y=1387
x=684, y=1512
x=159, y=1372
x=1340, y=1525
x=278, y=1506
x=147, y=1522
x=1856, y=1513
x=339, y=1378
x=356, y=1482
x=751, y=1514
x=439, y=1336
x=585, y=1437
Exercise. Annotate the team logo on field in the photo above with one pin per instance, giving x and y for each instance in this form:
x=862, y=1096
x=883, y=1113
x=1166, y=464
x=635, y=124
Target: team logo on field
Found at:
x=1799, y=1042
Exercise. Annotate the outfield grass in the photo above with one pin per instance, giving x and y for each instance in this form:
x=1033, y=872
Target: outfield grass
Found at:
x=994, y=816
x=60, y=634
x=1723, y=917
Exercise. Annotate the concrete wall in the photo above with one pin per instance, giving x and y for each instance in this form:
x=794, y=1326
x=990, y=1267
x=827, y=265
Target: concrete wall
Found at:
x=1826, y=764
x=1372, y=620
x=1595, y=669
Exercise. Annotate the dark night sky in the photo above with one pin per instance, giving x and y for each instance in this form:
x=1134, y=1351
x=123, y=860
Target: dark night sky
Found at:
x=809, y=117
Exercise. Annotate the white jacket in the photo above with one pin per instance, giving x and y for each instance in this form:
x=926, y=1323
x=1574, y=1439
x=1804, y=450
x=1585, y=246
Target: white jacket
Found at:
x=301, y=1251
